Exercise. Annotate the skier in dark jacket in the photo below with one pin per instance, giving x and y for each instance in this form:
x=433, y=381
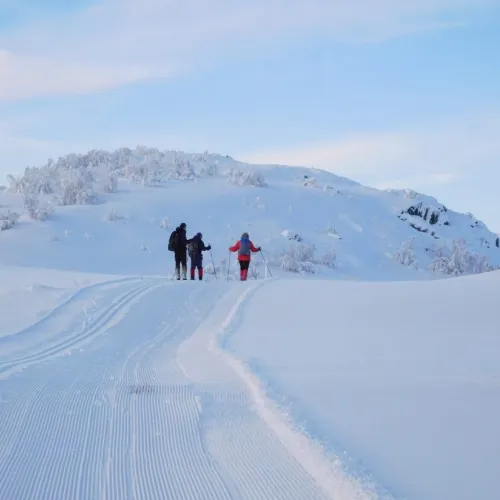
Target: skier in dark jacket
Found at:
x=177, y=244
x=195, y=249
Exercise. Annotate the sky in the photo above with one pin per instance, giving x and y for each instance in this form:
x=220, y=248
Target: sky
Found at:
x=388, y=93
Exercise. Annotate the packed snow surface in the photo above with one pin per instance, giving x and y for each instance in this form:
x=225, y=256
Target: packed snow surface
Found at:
x=401, y=379
x=133, y=399
x=343, y=369
x=151, y=388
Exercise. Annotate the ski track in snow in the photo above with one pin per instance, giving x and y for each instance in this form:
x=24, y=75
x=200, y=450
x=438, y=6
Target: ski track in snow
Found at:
x=133, y=404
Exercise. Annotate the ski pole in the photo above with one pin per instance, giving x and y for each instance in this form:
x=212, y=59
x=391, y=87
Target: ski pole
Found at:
x=265, y=262
x=213, y=264
x=228, y=266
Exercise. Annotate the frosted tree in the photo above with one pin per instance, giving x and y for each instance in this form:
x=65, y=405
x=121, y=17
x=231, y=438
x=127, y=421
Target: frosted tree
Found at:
x=8, y=220
x=209, y=167
x=440, y=262
x=34, y=210
x=182, y=169
x=329, y=258
x=406, y=255
x=298, y=258
x=240, y=178
x=331, y=231
x=481, y=264
x=77, y=189
x=112, y=185
x=460, y=259
x=113, y=216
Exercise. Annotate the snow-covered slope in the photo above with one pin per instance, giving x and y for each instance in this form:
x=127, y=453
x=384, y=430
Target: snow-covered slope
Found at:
x=307, y=221
x=117, y=382
x=401, y=380
x=146, y=388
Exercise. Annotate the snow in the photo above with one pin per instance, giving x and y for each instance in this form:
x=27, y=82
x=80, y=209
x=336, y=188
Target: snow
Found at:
x=400, y=379
x=222, y=198
x=28, y=294
x=355, y=372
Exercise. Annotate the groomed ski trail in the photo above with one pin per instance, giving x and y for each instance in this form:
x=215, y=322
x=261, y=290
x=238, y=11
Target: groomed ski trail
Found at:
x=275, y=448
x=134, y=400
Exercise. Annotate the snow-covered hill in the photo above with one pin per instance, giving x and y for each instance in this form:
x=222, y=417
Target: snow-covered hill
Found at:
x=112, y=212
x=116, y=382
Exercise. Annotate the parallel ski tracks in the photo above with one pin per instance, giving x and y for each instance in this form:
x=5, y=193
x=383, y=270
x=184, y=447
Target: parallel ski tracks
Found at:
x=75, y=339
x=123, y=419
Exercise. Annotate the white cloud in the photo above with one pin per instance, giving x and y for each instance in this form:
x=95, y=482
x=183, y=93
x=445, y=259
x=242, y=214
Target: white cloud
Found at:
x=438, y=154
x=121, y=41
x=23, y=77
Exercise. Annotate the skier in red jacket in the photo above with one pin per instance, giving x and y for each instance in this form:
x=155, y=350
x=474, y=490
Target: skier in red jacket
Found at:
x=244, y=247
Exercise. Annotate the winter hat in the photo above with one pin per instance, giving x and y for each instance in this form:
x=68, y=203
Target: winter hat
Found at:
x=199, y=235
x=245, y=235
x=183, y=225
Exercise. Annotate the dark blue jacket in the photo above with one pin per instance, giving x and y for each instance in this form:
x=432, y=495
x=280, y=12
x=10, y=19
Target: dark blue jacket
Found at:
x=196, y=247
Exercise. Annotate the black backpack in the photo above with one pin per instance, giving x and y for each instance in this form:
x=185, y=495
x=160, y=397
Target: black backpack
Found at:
x=172, y=241
x=194, y=246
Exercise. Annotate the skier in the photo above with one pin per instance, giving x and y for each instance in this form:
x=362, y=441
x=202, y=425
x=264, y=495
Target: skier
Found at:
x=244, y=247
x=195, y=249
x=177, y=244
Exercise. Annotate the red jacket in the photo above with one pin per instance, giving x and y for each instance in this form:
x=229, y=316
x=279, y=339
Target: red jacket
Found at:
x=243, y=258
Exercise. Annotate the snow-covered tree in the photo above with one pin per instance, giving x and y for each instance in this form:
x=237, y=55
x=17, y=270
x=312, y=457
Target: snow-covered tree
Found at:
x=329, y=258
x=77, y=189
x=460, y=261
x=299, y=258
x=480, y=264
x=406, y=254
x=440, y=261
x=331, y=231
x=8, y=220
x=182, y=169
x=35, y=211
x=112, y=185
x=112, y=216
x=239, y=178
x=460, y=258
x=209, y=166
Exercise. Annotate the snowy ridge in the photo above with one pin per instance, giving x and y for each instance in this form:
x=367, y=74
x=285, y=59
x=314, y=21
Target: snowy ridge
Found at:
x=311, y=222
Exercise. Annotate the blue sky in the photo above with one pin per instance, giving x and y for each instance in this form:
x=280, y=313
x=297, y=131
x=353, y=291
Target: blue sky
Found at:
x=389, y=93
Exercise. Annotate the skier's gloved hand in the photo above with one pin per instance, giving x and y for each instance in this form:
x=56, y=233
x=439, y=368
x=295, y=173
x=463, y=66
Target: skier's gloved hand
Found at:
x=209, y=247
x=258, y=249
